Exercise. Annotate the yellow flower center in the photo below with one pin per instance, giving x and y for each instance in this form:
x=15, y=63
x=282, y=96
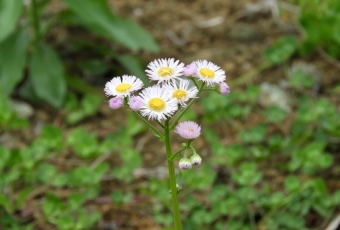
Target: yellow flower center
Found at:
x=207, y=73
x=123, y=87
x=165, y=71
x=157, y=104
x=179, y=94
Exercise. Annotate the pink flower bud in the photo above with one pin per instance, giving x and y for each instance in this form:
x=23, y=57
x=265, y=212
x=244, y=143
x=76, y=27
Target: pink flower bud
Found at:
x=116, y=102
x=223, y=88
x=189, y=70
x=136, y=103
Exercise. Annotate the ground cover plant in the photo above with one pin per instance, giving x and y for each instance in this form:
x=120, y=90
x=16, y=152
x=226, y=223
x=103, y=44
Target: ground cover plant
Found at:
x=269, y=151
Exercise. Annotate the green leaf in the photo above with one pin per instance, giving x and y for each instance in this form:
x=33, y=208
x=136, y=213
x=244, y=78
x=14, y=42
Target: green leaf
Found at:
x=23, y=195
x=275, y=114
x=179, y=180
x=52, y=135
x=134, y=66
x=9, y=15
x=255, y=134
x=12, y=60
x=46, y=172
x=47, y=75
x=292, y=184
x=281, y=50
x=5, y=203
x=97, y=16
x=83, y=143
x=4, y=156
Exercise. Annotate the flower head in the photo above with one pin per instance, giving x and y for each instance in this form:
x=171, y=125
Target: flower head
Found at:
x=157, y=104
x=209, y=73
x=181, y=91
x=189, y=70
x=123, y=86
x=223, y=88
x=164, y=70
x=188, y=129
x=184, y=163
x=116, y=102
x=135, y=103
x=196, y=159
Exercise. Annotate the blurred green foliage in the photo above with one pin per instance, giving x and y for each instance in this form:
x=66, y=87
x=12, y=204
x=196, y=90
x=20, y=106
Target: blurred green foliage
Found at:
x=23, y=44
x=271, y=177
x=268, y=178
x=28, y=171
x=319, y=24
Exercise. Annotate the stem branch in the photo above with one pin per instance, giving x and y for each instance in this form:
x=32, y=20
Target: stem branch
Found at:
x=186, y=108
x=150, y=125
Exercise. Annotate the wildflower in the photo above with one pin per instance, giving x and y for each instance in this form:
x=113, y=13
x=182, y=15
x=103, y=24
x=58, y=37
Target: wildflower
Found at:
x=209, y=73
x=116, y=102
x=188, y=129
x=189, y=70
x=123, y=86
x=181, y=91
x=184, y=163
x=164, y=70
x=223, y=88
x=157, y=104
x=196, y=159
x=135, y=103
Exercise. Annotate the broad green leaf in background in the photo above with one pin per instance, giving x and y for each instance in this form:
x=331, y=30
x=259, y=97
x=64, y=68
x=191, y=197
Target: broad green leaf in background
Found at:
x=12, y=60
x=97, y=16
x=9, y=15
x=47, y=75
x=134, y=66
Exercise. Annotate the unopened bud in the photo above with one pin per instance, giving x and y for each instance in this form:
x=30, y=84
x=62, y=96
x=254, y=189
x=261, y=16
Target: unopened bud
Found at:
x=196, y=159
x=185, y=163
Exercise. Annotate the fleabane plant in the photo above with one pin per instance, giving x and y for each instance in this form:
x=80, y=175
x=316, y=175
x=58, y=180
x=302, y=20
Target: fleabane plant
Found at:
x=176, y=87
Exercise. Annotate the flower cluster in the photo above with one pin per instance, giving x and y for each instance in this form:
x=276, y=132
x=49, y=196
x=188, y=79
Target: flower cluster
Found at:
x=176, y=85
x=173, y=88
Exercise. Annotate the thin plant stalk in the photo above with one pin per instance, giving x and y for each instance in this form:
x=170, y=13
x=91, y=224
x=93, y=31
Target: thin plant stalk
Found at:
x=172, y=178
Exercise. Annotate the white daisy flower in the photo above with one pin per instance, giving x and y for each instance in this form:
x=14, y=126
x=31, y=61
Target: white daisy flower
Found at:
x=157, y=104
x=209, y=73
x=164, y=70
x=122, y=86
x=181, y=91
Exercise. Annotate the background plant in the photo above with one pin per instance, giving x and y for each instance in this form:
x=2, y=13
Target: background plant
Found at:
x=44, y=173
x=23, y=43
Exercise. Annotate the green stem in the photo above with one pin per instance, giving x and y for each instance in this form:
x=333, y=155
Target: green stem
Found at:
x=249, y=75
x=172, y=178
x=35, y=20
x=150, y=125
x=186, y=108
